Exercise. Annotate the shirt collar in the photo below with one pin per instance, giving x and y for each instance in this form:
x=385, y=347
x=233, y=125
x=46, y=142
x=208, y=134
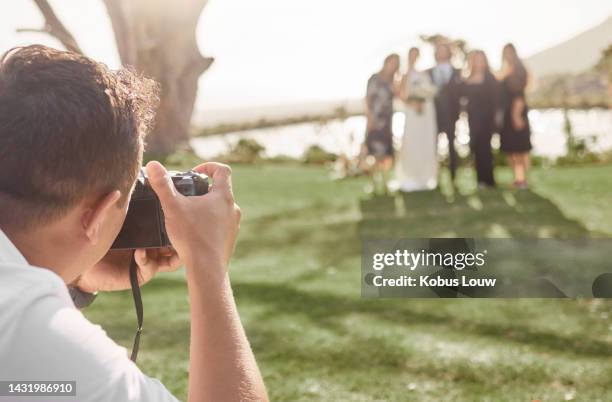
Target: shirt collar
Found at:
x=9, y=254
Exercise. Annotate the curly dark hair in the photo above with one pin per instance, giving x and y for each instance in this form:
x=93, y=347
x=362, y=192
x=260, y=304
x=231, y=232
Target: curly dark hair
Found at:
x=69, y=128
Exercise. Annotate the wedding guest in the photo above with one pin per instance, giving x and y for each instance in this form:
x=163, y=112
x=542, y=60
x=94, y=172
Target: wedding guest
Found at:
x=417, y=167
x=447, y=79
x=515, y=132
x=379, y=113
x=480, y=89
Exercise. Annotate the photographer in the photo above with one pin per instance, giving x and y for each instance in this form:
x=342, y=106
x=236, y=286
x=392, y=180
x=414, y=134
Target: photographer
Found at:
x=71, y=144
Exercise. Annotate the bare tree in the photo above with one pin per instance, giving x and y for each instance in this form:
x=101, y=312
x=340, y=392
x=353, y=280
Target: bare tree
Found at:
x=157, y=38
x=54, y=27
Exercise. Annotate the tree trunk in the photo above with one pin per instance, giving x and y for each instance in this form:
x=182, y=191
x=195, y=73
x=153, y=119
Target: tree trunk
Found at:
x=157, y=38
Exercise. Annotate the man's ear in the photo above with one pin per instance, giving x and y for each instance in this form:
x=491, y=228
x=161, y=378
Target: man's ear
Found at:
x=97, y=213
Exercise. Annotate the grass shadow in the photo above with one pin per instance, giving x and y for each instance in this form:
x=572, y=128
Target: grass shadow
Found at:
x=489, y=213
x=326, y=310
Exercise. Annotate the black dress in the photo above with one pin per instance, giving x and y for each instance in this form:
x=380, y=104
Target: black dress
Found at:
x=482, y=103
x=379, y=139
x=512, y=139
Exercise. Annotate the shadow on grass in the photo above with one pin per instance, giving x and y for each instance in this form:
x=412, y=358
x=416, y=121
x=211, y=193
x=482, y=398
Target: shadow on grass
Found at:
x=489, y=213
x=316, y=313
x=333, y=237
x=326, y=310
x=332, y=234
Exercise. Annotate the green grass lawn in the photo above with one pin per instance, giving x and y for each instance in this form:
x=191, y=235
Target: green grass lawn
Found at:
x=296, y=277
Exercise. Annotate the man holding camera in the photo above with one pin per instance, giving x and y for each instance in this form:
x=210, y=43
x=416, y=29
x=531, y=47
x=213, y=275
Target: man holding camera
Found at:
x=71, y=144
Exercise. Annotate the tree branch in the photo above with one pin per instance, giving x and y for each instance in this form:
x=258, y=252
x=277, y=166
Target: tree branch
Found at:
x=206, y=63
x=120, y=12
x=54, y=27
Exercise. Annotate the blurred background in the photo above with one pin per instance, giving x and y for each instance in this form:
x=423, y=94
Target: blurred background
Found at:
x=276, y=88
x=293, y=62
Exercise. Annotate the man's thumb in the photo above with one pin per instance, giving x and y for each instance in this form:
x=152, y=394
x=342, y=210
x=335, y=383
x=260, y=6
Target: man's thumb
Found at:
x=161, y=183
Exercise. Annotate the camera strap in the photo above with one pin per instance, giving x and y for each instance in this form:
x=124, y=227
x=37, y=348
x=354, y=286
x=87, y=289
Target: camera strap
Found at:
x=137, y=305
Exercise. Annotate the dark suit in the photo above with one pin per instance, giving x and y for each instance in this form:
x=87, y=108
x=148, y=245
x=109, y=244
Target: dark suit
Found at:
x=447, y=112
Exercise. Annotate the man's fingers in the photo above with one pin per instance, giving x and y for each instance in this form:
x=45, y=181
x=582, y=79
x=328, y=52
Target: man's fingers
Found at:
x=221, y=175
x=172, y=262
x=166, y=251
x=157, y=260
x=140, y=255
x=161, y=183
x=169, y=264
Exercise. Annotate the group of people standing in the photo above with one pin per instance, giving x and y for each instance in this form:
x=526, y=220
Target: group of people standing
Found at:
x=432, y=101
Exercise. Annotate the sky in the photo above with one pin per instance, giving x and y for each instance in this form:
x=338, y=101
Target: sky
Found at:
x=271, y=52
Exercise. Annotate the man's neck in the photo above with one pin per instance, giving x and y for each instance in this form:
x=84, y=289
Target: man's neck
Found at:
x=47, y=248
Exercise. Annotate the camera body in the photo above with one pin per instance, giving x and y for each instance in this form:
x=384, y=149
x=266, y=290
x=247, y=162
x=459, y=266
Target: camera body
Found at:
x=144, y=225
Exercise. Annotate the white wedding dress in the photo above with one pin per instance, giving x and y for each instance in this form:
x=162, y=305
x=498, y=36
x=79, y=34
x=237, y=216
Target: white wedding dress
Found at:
x=417, y=169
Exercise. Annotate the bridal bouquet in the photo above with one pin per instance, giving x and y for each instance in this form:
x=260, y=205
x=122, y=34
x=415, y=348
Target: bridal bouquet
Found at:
x=420, y=91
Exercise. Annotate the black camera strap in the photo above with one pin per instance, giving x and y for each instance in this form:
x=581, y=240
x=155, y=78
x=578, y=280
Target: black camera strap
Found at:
x=137, y=305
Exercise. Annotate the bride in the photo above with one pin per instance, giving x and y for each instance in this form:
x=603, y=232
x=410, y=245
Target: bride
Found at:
x=418, y=159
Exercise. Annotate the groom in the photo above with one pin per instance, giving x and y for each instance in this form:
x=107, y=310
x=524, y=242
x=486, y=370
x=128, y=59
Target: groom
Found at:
x=447, y=79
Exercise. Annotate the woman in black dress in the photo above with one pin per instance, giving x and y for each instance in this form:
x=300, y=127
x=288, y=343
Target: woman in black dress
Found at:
x=480, y=89
x=515, y=132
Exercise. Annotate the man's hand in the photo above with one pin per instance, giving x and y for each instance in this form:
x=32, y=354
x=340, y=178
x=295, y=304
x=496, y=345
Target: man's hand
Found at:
x=112, y=271
x=199, y=227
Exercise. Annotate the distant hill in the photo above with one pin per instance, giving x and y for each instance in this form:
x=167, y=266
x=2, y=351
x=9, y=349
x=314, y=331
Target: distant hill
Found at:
x=573, y=56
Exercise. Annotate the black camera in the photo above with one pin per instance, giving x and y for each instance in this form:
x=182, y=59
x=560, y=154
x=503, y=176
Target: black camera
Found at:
x=144, y=225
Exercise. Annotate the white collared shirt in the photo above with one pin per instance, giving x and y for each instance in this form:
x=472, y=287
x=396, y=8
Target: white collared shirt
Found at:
x=442, y=74
x=43, y=337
